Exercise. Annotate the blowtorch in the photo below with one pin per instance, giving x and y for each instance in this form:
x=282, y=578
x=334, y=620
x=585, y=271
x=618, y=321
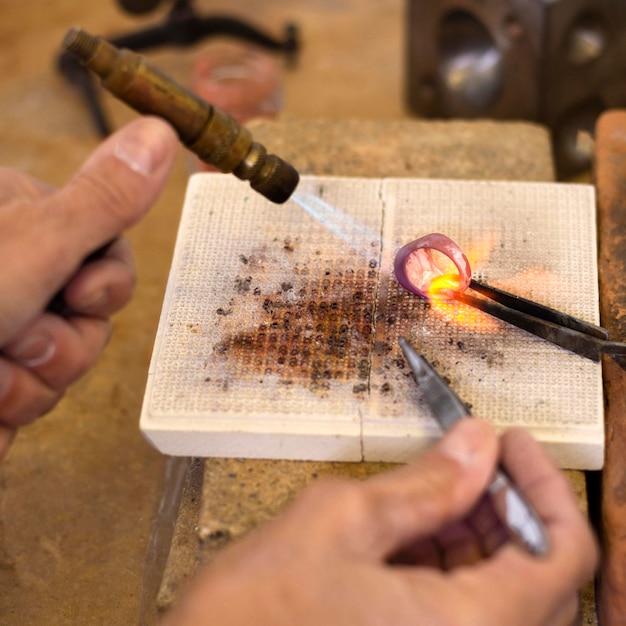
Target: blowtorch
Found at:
x=212, y=134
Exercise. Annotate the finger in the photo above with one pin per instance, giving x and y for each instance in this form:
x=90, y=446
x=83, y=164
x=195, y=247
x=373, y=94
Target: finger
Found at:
x=454, y=545
x=552, y=495
x=459, y=545
x=536, y=475
x=23, y=396
x=16, y=184
x=423, y=552
x=464, y=542
x=438, y=488
x=112, y=191
x=57, y=350
x=103, y=286
x=566, y=613
x=572, y=554
x=380, y=516
x=487, y=525
x=522, y=595
x=117, y=184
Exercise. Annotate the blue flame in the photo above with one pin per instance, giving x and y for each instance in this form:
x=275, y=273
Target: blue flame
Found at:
x=341, y=225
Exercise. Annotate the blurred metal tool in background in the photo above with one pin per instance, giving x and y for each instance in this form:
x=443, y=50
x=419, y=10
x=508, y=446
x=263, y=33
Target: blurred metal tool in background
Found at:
x=557, y=62
x=183, y=26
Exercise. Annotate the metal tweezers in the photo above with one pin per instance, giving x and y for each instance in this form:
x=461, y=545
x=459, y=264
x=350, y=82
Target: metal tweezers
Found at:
x=571, y=333
x=515, y=512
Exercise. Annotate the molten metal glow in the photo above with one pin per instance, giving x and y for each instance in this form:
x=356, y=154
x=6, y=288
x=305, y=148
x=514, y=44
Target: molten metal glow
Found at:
x=444, y=287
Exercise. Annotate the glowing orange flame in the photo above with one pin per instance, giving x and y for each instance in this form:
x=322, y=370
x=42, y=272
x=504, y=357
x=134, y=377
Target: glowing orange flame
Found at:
x=442, y=288
x=479, y=251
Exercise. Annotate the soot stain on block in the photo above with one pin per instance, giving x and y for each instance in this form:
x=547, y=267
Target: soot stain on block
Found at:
x=309, y=328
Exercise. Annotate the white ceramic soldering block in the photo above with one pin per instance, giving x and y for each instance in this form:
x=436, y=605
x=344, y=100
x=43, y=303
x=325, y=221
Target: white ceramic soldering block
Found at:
x=278, y=335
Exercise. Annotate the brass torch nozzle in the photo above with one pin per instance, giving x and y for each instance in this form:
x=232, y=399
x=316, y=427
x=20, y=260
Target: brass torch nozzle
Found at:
x=213, y=135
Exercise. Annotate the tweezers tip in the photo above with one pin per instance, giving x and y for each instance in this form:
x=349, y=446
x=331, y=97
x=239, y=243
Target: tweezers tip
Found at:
x=405, y=345
x=416, y=361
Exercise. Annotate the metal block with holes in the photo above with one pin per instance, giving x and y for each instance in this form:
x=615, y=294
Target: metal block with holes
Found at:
x=557, y=62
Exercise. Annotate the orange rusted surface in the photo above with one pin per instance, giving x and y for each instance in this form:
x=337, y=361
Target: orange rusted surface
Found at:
x=611, y=188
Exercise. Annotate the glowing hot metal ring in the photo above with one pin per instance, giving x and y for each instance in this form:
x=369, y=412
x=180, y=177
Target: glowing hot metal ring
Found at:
x=416, y=267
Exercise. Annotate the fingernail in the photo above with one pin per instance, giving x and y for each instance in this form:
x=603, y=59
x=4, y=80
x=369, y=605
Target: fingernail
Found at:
x=144, y=146
x=463, y=443
x=95, y=301
x=32, y=350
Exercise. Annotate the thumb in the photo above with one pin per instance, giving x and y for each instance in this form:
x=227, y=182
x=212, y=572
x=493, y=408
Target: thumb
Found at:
x=116, y=186
x=438, y=488
x=374, y=518
x=45, y=239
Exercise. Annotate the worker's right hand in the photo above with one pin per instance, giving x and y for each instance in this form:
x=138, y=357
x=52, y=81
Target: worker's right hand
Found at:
x=332, y=558
x=45, y=236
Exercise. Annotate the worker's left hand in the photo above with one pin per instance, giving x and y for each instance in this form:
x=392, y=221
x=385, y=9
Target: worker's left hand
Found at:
x=45, y=236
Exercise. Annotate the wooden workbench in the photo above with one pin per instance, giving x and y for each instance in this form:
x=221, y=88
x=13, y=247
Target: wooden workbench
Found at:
x=610, y=181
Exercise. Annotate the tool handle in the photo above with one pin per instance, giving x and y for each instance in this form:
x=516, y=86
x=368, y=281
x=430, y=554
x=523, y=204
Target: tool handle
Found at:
x=519, y=517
